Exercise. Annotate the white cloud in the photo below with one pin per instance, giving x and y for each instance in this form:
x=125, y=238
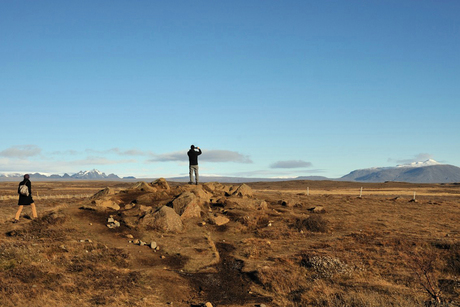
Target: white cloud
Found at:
x=94, y=160
x=276, y=174
x=208, y=156
x=417, y=158
x=21, y=151
x=291, y=164
x=225, y=156
x=118, y=151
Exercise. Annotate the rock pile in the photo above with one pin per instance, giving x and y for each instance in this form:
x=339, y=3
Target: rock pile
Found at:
x=112, y=223
x=157, y=206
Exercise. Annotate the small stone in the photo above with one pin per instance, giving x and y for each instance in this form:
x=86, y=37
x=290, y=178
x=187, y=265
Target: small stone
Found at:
x=129, y=236
x=153, y=245
x=110, y=220
x=220, y=220
x=162, y=257
x=137, y=241
x=117, y=224
x=208, y=304
x=130, y=206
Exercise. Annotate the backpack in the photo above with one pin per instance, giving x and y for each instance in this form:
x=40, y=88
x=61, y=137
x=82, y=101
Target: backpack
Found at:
x=24, y=190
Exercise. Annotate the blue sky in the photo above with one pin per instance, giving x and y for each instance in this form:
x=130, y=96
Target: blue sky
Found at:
x=265, y=88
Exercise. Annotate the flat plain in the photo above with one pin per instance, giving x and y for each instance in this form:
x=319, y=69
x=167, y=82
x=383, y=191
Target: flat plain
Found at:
x=286, y=243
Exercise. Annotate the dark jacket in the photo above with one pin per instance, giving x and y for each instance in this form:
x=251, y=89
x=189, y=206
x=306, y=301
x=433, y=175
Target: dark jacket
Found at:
x=193, y=156
x=25, y=200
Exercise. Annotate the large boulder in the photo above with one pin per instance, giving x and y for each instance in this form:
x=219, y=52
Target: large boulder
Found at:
x=202, y=195
x=144, y=187
x=216, y=188
x=243, y=191
x=153, y=199
x=165, y=219
x=161, y=184
x=186, y=205
x=105, y=204
x=103, y=193
x=132, y=215
x=245, y=203
x=146, y=199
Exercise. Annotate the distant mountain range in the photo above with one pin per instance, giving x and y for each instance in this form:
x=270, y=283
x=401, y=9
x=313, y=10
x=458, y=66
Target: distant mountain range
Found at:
x=84, y=175
x=428, y=171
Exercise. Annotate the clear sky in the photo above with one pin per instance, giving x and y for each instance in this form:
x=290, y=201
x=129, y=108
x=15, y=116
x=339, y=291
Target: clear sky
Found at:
x=266, y=88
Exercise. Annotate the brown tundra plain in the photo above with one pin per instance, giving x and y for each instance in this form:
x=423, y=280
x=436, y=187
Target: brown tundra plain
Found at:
x=286, y=243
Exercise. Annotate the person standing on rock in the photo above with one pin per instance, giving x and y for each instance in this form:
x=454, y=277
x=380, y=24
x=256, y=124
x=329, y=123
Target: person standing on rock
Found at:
x=25, y=198
x=193, y=154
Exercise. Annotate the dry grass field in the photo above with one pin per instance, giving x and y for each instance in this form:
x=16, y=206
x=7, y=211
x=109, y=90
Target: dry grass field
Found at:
x=293, y=243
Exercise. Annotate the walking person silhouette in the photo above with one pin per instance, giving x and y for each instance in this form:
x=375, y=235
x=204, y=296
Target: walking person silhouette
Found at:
x=25, y=198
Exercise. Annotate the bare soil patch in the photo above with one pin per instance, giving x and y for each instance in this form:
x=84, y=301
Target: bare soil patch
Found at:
x=381, y=249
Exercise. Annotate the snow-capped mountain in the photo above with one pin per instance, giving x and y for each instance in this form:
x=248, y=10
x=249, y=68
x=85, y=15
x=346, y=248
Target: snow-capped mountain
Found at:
x=429, y=171
x=93, y=174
